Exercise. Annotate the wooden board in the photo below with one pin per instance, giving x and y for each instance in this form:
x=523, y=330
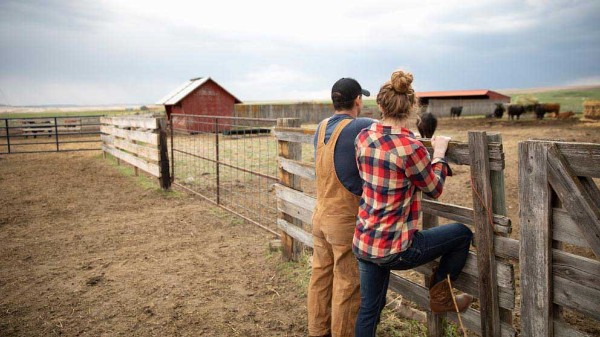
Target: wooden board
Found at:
x=484, y=234
x=131, y=122
x=295, y=211
x=536, y=237
x=579, y=269
x=295, y=232
x=576, y=296
x=502, y=224
x=139, y=150
x=576, y=200
x=145, y=137
x=565, y=229
x=303, y=170
x=151, y=168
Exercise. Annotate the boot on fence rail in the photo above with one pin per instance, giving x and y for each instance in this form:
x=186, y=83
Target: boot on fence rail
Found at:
x=440, y=297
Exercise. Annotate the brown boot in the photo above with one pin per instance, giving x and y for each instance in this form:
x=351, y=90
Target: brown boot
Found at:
x=440, y=299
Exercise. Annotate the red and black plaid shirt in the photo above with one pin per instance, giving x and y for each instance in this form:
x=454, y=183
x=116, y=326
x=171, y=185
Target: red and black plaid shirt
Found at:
x=394, y=167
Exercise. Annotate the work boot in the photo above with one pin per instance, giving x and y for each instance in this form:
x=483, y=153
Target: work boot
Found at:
x=440, y=299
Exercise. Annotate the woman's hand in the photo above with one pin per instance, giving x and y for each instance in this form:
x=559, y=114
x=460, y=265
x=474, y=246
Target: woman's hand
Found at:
x=440, y=145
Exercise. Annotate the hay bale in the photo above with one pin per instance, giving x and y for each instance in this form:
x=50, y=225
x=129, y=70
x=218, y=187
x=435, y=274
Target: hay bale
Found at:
x=591, y=109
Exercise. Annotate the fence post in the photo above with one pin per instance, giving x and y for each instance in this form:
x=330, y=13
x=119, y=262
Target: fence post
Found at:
x=435, y=322
x=165, y=178
x=217, y=159
x=499, y=207
x=484, y=235
x=7, y=135
x=535, y=255
x=293, y=151
x=56, y=133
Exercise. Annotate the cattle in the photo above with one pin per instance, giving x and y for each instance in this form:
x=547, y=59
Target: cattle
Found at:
x=499, y=111
x=515, y=110
x=565, y=115
x=455, y=111
x=426, y=123
x=548, y=108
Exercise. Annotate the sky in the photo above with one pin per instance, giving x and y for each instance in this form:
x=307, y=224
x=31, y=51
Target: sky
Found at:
x=134, y=52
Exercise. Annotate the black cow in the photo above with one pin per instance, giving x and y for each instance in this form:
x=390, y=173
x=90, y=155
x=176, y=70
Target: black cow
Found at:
x=426, y=124
x=515, y=110
x=499, y=111
x=540, y=111
x=455, y=111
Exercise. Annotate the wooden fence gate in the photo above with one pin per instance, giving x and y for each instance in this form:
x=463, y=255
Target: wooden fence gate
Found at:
x=488, y=275
x=559, y=204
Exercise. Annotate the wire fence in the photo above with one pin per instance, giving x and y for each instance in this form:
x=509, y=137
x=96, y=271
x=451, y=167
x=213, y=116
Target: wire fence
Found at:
x=49, y=134
x=229, y=161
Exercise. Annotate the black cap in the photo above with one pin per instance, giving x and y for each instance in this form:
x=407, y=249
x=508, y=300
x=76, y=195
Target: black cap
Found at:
x=346, y=90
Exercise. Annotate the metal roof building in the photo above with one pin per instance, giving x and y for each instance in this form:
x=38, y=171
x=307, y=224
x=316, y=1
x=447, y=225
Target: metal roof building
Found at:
x=474, y=102
x=198, y=96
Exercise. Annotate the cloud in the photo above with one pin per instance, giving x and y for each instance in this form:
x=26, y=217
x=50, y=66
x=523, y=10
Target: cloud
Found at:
x=592, y=80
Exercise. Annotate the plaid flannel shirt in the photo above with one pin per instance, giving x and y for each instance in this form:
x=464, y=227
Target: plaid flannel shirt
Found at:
x=394, y=167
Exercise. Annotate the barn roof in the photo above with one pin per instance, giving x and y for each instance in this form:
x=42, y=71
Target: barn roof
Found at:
x=186, y=88
x=462, y=93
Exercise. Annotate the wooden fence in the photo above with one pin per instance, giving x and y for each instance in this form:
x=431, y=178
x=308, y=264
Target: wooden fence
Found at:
x=559, y=204
x=488, y=275
x=139, y=141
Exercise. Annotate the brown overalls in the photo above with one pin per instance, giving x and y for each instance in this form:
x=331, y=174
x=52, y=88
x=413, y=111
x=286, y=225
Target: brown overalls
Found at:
x=334, y=289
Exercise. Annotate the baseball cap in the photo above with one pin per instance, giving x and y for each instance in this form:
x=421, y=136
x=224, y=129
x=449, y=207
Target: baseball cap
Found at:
x=347, y=89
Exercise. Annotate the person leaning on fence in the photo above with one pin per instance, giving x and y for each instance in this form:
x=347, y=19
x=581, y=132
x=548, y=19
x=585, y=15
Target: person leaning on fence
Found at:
x=396, y=169
x=333, y=291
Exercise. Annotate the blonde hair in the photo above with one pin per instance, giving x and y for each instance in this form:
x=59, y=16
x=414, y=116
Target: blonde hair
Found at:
x=397, y=96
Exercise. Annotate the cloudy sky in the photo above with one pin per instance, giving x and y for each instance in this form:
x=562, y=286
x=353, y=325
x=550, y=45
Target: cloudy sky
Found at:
x=114, y=51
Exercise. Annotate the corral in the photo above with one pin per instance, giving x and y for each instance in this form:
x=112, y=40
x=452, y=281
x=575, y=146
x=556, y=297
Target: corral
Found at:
x=101, y=266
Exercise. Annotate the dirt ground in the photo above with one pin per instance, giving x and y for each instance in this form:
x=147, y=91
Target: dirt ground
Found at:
x=88, y=251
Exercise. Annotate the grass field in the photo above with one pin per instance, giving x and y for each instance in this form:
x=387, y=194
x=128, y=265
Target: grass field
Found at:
x=569, y=100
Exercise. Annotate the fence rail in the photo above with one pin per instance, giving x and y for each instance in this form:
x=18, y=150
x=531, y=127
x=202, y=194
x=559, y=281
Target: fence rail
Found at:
x=487, y=274
x=139, y=141
x=48, y=134
x=559, y=201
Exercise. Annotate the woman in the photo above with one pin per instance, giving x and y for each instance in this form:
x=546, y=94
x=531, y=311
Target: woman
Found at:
x=396, y=168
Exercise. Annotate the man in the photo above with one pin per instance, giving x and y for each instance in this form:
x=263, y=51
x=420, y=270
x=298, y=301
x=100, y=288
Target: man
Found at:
x=334, y=289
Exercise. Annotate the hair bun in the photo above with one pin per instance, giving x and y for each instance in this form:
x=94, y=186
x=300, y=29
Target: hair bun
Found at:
x=401, y=82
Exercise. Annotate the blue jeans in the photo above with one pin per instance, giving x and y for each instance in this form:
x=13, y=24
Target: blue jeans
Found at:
x=451, y=242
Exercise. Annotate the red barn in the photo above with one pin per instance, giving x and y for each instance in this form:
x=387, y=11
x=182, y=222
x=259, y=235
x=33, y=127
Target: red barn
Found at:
x=199, y=96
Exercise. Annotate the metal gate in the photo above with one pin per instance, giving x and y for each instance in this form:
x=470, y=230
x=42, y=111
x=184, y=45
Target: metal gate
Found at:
x=49, y=134
x=229, y=161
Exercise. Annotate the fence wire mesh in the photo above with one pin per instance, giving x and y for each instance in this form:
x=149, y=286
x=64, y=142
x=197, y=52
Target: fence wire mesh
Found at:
x=229, y=161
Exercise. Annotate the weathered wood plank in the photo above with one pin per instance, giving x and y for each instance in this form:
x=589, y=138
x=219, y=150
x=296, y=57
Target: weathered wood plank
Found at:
x=497, y=181
x=145, y=137
x=293, y=151
x=294, y=136
x=295, y=211
x=578, y=269
x=484, y=234
x=140, y=150
x=562, y=329
x=576, y=200
x=458, y=153
x=303, y=170
x=566, y=230
x=504, y=271
x=107, y=139
x=151, y=168
x=502, y=224
x=132, y=122
x=586, y=155
x=295, y=197
x=590, y=186
x=536, y=237
x=295, y=232
x=576, y=296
